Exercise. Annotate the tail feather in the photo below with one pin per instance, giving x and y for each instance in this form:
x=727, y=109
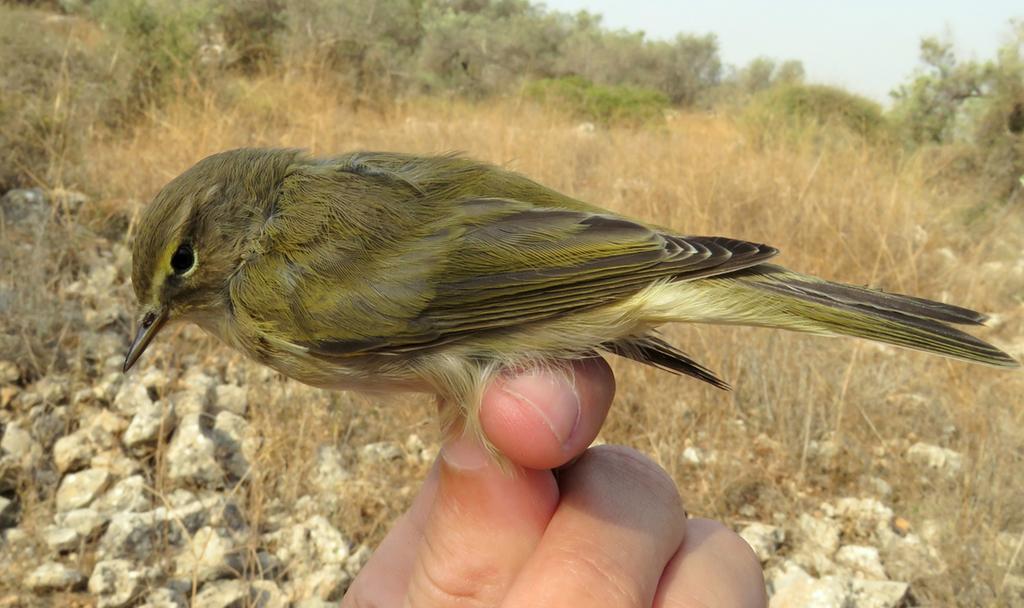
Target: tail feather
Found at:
x=822, y=307
x=654, y=351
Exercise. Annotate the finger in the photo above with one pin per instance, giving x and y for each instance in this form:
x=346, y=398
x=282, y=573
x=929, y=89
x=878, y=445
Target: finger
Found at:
x=620, y=521
x=384, y=580
x=483, y=525
x=714, y=567
x=544, y=417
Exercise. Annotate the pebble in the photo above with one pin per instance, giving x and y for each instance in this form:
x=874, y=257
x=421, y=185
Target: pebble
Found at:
x=381, y=451
x=152, y=421
x=79, y=489
x=232, y=398
x=210, y=554
x=192, y=454
x=935, y=457
x=117, y=582
x=764, y=539
x=53, y=576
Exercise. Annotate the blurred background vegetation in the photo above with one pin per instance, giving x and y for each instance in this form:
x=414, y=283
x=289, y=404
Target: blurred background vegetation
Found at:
x=75, y=66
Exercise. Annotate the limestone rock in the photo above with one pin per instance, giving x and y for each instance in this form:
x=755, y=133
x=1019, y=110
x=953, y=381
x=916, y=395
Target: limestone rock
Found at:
x=129, y=494
x=86, y=522
x=878, y=594
x=210, y=554
x=8, y=513
x=61, y=540
x=232, y=398
x=53, y=576
x=229, y=433
x=72, y=452
x=117, y=582
x=165, y=597
x=192, y=454
x=862, y=559
x=819, y=540
x=19, y=443
x=800, y=590
x=79, y=489
x=266, y=594
x=381, y=451
x=329, y=475
x=151, y=422
x=935, y=457
x=763, y=539
x=132, y=396
x=222, y=594
x=326, y=583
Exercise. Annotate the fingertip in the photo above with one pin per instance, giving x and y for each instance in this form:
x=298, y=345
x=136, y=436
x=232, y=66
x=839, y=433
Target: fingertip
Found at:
x=542, y=418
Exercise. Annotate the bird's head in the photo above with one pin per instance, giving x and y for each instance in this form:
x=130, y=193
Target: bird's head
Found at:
x=195, y=234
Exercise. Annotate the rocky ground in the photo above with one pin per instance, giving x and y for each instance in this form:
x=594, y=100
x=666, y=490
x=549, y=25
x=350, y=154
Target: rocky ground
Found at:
x=135, y=490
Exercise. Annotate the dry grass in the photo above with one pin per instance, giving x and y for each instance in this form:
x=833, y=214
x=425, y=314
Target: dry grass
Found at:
x=835, y=206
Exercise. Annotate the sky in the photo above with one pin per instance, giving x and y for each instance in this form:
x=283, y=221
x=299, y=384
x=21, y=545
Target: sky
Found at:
x=867, y=46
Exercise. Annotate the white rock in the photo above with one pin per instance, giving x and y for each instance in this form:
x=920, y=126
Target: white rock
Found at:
x=878, y=594
x=79, y=489
x=327, y=583
x=9, y=372
x=19, y=443
x=53, y=576
x=151, y=422
x=86, y=522
x=818, y=540
x=152, y=377
x=381, y=451
x=117, y=582
x=187, y=402
x=61, y=540
x=229, y=433
x=109, y=422
x=266, y=594
x=198, y=381
x=132, y=395
x=785, y=574
x=210, y=554
x=357, y=560
x=329, y=474
x=862, y=559
x=826, y=592
x=763, y=539
x=222, y=594
x=935, y=457
x=8, y=512
x=232, y=398
x=192, y=454
x=692, y=455
x=129, y=494
x=116, y=462
x=72, y=452
x=822, y=532
x=316, y=554
x=864, y=516
x=165, y=597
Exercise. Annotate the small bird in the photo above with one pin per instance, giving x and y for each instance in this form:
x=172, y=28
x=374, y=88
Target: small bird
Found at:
x=385, y=271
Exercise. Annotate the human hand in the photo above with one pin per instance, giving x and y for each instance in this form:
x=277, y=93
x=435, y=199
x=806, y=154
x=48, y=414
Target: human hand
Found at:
x=606, y=530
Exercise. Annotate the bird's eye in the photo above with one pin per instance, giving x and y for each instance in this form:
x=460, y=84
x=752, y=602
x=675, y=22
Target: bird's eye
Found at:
x=183, y=259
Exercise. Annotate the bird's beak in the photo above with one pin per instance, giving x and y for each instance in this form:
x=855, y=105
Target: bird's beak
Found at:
x=151, y=323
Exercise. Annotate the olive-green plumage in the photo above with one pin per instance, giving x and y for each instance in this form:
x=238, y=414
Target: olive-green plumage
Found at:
x=385, y=271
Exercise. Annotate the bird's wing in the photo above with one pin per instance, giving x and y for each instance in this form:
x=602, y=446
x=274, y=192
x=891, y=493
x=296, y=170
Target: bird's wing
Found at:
x=492, y=264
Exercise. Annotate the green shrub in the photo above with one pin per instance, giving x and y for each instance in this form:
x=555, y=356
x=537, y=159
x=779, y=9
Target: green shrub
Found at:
x=160, y=43
x=56, y=87
x=606, y=104
x=791, y=109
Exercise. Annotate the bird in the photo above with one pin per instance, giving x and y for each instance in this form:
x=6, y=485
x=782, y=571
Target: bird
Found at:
x=384, y=271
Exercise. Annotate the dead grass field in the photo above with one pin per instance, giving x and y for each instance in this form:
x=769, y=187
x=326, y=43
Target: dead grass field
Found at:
x=835, y=206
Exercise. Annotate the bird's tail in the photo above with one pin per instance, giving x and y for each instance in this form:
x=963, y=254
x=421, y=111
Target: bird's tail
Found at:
x=772, y=296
